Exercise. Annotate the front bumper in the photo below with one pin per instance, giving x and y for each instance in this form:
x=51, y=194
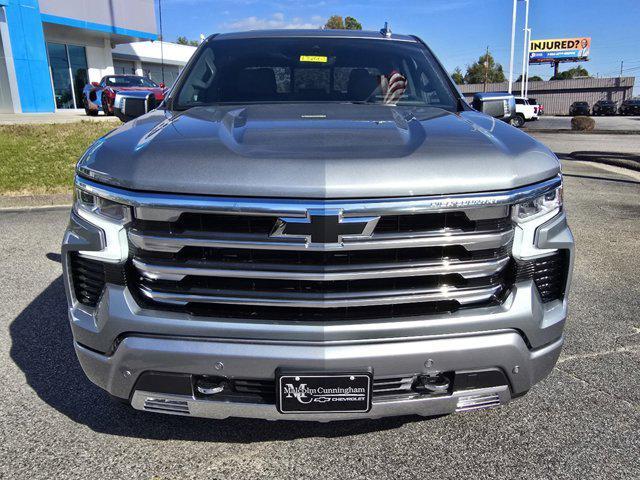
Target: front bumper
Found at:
x=505, y=350
x=119, y=341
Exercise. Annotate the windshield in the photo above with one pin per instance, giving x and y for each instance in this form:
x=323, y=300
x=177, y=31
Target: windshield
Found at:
x=279, y=70
x=130, y=81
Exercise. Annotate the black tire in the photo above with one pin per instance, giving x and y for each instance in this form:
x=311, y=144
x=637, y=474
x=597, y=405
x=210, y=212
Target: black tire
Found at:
x=517, y=121
x=105, y=107
x=88, y=111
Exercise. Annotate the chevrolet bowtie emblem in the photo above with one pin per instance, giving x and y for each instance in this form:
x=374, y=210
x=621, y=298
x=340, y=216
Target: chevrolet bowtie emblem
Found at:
x=324, y=226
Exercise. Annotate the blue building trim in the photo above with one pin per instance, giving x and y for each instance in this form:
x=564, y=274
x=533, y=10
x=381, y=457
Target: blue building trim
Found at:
x=29, y=51
x=72, y=22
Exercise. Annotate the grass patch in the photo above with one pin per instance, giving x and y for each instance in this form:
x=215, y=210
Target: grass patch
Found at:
x=40, y=159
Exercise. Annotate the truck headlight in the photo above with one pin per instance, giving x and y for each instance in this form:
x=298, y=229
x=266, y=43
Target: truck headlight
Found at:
x=99, y=206
x=527, y=217
x=538, y=207
x=110, y=217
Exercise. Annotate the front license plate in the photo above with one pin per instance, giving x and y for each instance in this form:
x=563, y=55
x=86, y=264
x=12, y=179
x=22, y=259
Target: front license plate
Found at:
x=315, y=393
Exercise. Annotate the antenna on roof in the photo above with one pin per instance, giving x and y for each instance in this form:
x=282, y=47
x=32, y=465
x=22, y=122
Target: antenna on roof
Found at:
x=386, y=31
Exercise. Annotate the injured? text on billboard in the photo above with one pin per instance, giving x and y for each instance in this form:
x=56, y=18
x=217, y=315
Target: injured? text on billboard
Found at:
x=560, y=50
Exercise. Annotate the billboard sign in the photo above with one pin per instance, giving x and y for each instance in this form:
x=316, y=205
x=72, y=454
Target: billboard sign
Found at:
x=560, y=50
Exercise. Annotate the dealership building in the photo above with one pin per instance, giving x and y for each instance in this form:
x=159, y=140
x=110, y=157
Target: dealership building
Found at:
x=49, y=49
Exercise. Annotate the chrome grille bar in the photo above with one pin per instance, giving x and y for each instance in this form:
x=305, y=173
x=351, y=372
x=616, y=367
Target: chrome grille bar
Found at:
x=176, y=271
x=175, y=243
x=157, y=206
x=326, y=300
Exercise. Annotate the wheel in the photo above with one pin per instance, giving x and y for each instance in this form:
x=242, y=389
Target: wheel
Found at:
x=88, y=111
x=517, y=121
x=105, y=107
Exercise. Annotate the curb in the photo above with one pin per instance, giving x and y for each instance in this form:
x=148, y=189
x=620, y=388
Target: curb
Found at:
x=581, y=132
x=29, y=202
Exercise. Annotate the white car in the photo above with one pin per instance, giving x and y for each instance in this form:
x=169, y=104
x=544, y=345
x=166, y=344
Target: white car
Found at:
x=525, y=112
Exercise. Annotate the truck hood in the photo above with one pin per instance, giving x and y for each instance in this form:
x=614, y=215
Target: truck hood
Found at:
x=317, y=151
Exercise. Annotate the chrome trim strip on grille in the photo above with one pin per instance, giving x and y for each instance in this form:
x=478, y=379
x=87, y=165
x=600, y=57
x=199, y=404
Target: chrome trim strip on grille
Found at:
x=272, y=207
x=328, y=300
x=471, y=241
x=467, y=269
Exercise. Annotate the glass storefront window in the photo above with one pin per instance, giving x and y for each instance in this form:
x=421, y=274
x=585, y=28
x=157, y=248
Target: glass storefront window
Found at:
x=79, y=72
x=69, y=73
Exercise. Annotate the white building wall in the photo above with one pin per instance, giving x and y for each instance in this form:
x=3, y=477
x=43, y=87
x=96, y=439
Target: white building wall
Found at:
x=99, y=61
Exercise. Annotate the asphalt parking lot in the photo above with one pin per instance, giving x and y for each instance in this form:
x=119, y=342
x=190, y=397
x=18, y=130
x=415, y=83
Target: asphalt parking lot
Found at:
x=615, y=122
x=582, y=421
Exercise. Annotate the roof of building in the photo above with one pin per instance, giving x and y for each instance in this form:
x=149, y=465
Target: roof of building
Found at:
x=172, y=53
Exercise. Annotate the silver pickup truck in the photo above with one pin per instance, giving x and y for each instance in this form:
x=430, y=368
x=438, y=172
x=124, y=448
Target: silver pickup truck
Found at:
x=314, y=225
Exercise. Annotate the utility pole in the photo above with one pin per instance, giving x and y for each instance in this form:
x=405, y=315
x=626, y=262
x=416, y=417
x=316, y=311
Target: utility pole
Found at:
x=526, y=77
x=621, y=65
x=161, y=40
x=486, y=69
x=513, y=39
x=525, y=47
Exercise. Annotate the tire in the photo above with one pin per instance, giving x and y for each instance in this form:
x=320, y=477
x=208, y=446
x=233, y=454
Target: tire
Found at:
x=105, y=107
x=88, y=111
x=517, y=121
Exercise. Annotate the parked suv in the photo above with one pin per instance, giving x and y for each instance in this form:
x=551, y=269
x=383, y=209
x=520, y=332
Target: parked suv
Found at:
x=604, y=107
x=314, y=225
x=579, y=108
x=630, y=107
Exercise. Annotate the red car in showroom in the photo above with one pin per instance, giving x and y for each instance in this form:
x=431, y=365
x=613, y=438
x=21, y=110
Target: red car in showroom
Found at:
x=100, y=96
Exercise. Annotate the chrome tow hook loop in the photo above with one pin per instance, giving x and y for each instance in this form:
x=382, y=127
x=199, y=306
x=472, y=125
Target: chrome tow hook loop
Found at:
x=433, y=383
x=210, y=388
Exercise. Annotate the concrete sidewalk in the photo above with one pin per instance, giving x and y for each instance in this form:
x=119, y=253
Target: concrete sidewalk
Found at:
x=62, y=116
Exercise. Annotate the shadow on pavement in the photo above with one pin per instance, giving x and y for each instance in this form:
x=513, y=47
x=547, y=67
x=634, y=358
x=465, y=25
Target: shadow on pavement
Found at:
x=42, y=347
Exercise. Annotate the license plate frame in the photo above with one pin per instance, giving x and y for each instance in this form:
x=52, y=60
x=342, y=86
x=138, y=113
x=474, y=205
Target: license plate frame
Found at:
x=324, y=392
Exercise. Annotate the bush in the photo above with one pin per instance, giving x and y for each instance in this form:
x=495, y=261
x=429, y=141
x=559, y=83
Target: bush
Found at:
x=585, y=124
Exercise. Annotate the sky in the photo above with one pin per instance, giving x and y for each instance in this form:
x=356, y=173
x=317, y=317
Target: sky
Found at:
x=458, y=31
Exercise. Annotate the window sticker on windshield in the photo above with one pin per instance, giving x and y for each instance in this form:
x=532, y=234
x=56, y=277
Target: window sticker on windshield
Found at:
x=313, y=58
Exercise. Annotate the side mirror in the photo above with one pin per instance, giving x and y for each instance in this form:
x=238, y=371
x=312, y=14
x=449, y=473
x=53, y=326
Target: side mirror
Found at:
x=95, y=84
x=496, y=105
x=130, y=105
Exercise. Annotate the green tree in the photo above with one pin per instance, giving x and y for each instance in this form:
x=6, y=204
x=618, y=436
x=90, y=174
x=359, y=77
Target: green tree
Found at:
x=457, y=76
x=485, y=66
x=351, y=23
x=184, y=41
x=334, y=23
x=571, y=73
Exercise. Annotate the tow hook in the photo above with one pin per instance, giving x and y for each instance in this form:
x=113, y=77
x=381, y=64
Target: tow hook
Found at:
x=212, y=386
x=432, y=383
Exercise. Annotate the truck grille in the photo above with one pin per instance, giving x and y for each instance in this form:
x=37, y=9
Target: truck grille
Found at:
x=229, y=264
